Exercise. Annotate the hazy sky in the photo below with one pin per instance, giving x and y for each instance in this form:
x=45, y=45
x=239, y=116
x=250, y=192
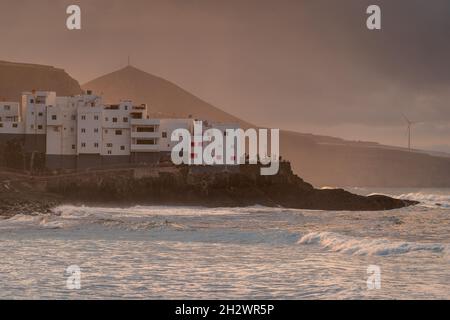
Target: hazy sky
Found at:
x=309, y=66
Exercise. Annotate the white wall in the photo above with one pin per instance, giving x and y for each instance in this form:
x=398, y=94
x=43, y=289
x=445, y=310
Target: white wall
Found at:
x=89, y=130
x=62, y=127
x=34, y=108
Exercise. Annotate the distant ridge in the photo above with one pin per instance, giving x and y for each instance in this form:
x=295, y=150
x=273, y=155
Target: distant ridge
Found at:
x=18, y=77
x=29, y=65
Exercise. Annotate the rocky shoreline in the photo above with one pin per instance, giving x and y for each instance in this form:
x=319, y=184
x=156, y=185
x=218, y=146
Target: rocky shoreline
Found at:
x=14, y=204
x=182, y=186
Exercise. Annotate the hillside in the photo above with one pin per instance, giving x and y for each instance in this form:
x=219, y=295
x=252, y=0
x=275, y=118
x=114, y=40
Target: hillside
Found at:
x=18, y=77
x=164, y=98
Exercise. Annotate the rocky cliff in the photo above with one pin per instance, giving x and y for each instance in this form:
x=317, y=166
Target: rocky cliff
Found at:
x=182, y=187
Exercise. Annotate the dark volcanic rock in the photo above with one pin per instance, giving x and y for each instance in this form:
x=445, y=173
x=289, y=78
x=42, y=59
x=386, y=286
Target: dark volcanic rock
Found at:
x=244, y=188
x=12, y=205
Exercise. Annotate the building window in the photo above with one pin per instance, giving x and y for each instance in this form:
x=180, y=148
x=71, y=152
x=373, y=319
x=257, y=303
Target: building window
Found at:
x=73, y=147
x=96, y=130
x=106, y=131
x=72, y=129
x=31, y=100
x=83, y=144
x=125, y=119
x=14, y=125
x=109, y=145
x=83, y=130
x=54, y=117
x=83, y=117
x=96, y=145
x=39, y=127
x=56, y=129
x=122, y=147
x=40, y=114
x=145, y=129
x=106, y=119
x=147, y=142
x=32, y=126
x=95, y=117
x=1, y=125
x=7, y=108
x=164, y=134
x=73, y=117
x=114, y=119
x=109, y=152
x=118, y=132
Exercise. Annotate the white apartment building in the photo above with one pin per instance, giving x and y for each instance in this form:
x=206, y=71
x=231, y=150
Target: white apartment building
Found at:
x=62, y=124
x=10, y=118
x=82, y=127
x=27, y=120
x=222, y=127
x=116, y=129
x=34, y=110
x=154, y=135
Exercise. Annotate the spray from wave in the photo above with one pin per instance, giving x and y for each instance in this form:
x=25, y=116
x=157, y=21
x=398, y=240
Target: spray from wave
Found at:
x=425, y=199
x=428, y=199
x=363, y=246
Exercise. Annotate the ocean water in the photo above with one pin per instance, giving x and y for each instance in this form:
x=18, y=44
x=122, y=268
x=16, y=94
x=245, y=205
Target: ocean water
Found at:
x=250, y=253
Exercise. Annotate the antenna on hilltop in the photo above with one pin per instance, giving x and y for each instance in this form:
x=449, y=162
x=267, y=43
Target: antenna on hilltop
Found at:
x=129, y=64
x=409, y=124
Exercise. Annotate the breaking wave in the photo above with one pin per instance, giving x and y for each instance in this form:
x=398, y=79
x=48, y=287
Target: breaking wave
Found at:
x=428, y=199
x=365, y=246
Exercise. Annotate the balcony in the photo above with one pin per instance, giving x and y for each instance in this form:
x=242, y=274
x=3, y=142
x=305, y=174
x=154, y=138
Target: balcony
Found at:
x=144, y=122
x=135, y=134
x=144, y=148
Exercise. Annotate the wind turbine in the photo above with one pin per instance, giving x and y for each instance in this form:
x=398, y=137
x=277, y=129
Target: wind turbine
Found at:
x=410, y=124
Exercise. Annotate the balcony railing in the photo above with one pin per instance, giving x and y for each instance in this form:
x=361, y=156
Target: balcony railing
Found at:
x=135, y=134
x=144, y=148
x=144, y=122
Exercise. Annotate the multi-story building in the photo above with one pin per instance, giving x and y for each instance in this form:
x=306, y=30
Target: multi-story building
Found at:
x=81, y=132
x=10, y=120
x=62, y=128
x=27, y=121
x=152, y=136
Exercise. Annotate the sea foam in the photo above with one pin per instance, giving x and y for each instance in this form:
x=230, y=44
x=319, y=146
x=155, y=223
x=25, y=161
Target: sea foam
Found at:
x=366, y=246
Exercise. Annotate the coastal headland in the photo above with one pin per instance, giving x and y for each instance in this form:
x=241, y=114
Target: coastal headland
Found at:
x=177, y=185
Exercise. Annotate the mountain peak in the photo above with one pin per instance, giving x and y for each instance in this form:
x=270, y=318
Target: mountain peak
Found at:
x=164, y=98
x=131, y=68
